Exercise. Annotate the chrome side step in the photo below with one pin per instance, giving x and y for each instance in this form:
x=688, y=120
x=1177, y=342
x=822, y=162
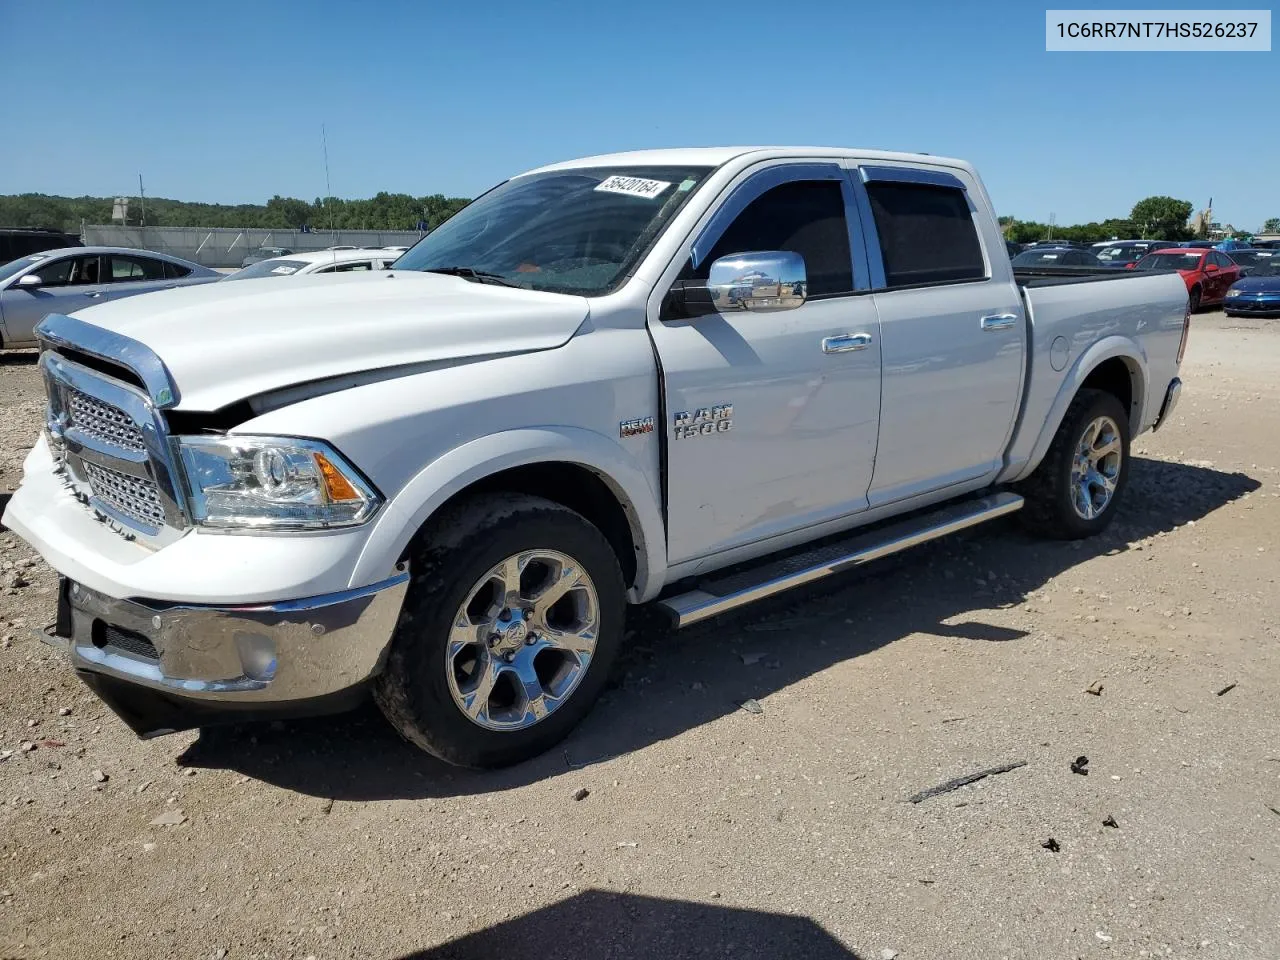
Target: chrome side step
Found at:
x=716, y=596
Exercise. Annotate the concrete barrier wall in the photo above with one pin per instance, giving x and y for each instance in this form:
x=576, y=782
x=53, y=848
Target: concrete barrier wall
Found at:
x=227, y=246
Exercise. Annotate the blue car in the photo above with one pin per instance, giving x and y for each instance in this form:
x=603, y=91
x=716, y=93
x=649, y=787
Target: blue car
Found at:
x=1256, y=295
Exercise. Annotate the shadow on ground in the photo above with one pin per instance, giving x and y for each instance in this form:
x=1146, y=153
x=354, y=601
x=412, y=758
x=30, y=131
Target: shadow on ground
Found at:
x=672, y=682
x=620, y=926
x=19, y=358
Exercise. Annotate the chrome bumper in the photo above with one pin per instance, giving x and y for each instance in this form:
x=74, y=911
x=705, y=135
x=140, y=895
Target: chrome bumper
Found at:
x=1170, y=402
x=211, y=657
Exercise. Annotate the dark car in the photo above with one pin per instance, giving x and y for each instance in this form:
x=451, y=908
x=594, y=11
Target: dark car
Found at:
x=1258, y=294
x=265, y=253
x=16, y=242
x=1013, y=248
x=1055, y=257
x=1059, y=244
x=1253, y=257
x=1124, y=252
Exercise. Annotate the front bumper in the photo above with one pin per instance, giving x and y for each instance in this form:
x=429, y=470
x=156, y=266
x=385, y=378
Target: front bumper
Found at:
x=1252, y=306
x=165, y=667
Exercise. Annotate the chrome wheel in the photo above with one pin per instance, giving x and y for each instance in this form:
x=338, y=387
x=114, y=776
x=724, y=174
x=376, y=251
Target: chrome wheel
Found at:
x=1095, y=471
x=523, y=639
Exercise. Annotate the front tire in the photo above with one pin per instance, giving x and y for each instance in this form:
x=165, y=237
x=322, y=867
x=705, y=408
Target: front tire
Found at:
x=513, y=618
x=1194, y=299
x=1074, y=492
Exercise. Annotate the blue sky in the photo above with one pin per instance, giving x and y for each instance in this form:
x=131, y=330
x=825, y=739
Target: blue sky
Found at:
x=225, y=102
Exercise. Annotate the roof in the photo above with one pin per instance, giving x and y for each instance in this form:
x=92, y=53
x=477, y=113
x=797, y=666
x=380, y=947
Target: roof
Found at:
x=81, y=251
x=716, y=156
x=336, y=256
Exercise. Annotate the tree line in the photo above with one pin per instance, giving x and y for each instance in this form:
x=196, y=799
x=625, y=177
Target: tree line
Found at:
x=385, y=211
x=1155, y=218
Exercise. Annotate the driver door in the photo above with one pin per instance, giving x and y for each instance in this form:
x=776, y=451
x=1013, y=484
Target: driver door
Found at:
x=68, y=284
x=771, y=417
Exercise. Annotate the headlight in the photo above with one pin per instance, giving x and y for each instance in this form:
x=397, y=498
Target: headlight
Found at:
x=273, y=482
x=1234, y=292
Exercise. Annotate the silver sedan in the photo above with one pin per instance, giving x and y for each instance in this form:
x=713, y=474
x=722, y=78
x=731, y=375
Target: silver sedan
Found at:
x=70, y=279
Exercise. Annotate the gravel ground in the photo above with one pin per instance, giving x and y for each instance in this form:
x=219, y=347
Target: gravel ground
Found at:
x=712, y=831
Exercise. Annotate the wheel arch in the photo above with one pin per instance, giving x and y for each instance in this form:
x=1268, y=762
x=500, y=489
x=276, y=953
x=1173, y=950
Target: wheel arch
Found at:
x=576, y=468
x=1116, y=365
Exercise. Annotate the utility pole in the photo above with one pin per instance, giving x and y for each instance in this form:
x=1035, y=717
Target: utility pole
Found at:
x=142, y=195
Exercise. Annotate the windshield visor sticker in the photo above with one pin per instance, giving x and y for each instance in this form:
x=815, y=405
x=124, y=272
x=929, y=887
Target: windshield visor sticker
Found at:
x=703, y=422
x=633, y=187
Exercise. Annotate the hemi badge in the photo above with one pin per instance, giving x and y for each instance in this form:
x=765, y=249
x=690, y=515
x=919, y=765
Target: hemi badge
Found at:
x=633, y=428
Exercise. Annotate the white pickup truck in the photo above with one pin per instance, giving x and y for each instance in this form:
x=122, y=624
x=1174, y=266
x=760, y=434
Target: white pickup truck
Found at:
x=697, y=377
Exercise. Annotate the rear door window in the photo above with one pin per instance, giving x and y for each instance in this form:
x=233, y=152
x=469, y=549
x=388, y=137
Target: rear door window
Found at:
x=125, y=269
x=927, y=234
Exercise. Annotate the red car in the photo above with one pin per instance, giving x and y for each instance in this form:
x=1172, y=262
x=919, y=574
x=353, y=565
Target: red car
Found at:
x=1208, y=273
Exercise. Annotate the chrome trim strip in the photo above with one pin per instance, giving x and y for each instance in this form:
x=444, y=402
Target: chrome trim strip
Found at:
x=289, y=650
x=56, y=330
x=696, y=605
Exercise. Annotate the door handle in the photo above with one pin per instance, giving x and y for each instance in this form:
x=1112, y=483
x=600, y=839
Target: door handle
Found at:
x=846, y=343
x=999, y=321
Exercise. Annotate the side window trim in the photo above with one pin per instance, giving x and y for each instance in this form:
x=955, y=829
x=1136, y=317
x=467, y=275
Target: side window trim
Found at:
x=764, y=180
x=860, y=175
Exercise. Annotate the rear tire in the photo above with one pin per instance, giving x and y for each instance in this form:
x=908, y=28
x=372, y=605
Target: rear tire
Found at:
x=487, y=666
x=1074, y=492
x=1194, y=299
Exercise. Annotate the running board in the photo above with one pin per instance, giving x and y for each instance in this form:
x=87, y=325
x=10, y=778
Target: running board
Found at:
x=716, y=596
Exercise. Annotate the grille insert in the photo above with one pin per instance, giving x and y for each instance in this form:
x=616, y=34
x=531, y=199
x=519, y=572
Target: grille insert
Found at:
x=134, y=497
x=104, y=422
x=129, y=641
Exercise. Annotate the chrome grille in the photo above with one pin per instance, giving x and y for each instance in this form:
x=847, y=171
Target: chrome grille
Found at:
x=134, y=497
x=104, y=422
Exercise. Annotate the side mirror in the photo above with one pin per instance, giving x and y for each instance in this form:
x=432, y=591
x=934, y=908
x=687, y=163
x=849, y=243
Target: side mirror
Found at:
x=762, y=281
x=30, y=281
x=1210, y=268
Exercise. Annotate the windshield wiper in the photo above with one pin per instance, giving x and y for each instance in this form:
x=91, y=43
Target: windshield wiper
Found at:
x=475, y=276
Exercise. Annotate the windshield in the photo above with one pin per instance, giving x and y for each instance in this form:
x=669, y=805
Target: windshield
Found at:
x=267, y=268
x=1044, y=258
x=1170, y=261
x=577, y=231
x=1265, y=268
x=17, y=266
x=1122, y=254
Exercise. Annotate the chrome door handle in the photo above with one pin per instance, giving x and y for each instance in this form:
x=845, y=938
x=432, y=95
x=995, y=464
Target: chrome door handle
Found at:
x=846, y=343
x=999, y=321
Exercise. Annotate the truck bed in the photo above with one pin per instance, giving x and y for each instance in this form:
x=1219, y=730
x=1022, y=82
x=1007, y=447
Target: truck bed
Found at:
x=1058, y=276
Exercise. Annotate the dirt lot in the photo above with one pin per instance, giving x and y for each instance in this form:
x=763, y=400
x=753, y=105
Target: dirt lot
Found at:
x=715, y=832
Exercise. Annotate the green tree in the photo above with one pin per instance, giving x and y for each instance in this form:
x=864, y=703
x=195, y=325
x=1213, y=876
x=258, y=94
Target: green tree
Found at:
x=1271, y=226
x=1162, y=218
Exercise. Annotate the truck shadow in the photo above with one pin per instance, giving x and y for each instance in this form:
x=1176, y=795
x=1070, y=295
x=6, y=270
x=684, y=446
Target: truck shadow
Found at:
x=626, y=926
x=668, y=683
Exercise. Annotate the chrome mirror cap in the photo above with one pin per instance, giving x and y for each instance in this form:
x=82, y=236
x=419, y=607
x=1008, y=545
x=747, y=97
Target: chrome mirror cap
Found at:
x=761, y=281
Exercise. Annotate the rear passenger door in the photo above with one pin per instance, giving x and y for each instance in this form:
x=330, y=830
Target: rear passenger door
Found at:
x=952, y=329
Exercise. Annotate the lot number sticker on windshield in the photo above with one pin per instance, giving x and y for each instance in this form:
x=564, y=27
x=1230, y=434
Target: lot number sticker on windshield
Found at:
x=633, y=186
x=285, y=270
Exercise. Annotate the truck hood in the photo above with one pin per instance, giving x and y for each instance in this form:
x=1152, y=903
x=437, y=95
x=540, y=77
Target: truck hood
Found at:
x=224, y=342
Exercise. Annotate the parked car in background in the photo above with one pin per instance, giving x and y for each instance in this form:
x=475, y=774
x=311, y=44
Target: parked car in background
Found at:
x=1076, y=244
x=1121, y=253
x=67, y=280
x=1258, y=294
x=1226, y=246
x=1013, y=248
x=265, y=253
x=1252, y=257
x=398, y=249
x=603, y=382
x=1055, y=257
x=1208, y=273
x=333, y=260
x=18, y=242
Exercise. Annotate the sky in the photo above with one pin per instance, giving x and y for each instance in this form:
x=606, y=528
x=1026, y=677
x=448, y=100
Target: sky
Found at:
x=225, y=103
